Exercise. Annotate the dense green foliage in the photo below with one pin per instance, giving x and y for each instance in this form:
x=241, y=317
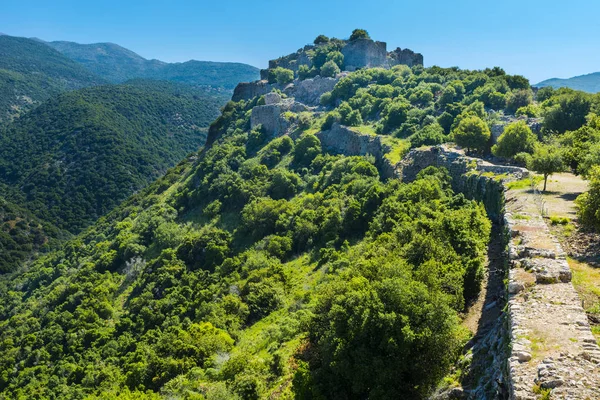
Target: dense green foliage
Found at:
x=472, y=133
x=589, y=202
x=77, y=156
x=261, y=268
x=22, y=236
x=416, y=103
x=359, y=34
x=117, y=64
x=516, y=138
x=31, y=72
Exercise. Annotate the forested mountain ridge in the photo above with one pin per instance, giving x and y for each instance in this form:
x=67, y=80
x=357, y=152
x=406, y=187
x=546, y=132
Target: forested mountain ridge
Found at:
x=588, y=83
x=78, y=155
x=118, y=64
x=31, y=72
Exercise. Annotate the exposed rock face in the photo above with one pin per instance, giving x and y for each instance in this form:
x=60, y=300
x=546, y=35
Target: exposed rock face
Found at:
x=271, y=118
x=309, y=91
x=343, y=140
x=249, y=90
x=404, y=57
x=294, y=60
x=364, y=53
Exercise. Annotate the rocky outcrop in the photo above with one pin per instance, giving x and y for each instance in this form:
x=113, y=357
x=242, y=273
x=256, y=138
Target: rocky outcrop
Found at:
x=294, y=60
x=309, y=91
x=271, y=116
x=343, y=140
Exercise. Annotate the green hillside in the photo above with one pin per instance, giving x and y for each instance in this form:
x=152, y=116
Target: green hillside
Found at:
x=118, y=64
x=78, y=155
x=22, y=236
x=31, y=72
x=587, y=83
x=262, y=268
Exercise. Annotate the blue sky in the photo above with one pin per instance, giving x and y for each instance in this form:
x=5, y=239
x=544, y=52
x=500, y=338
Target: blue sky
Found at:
x=535, y=38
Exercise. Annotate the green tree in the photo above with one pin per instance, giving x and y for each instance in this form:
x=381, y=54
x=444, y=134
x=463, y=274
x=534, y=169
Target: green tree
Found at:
x=547, y=160
x=430, y=135
x=517, y=138
x=472, y=133
x=321, y=39
x=518, y=99
x=359, y=34
x=330, y=69
x=337, y=57
x=568, y=112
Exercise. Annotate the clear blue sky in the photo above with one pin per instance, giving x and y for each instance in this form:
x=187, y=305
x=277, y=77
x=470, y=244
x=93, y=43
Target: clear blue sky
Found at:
x=536, y=38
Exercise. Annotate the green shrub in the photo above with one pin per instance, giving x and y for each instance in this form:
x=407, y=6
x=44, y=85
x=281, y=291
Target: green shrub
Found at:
x=359, y=34
x=430, y=135
x=281, y=75
x=472, y=133
x=518, y=99
x=330, y=69
x=331, y=118
x=589, y=202
x=321, y=39
x=516, y=138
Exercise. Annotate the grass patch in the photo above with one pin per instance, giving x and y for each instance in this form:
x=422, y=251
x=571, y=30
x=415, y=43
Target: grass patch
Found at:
x=524, y=183
x=586, y=280
x=399, y=148
x=545, y=394
x=521, y=216
x=596, y=332
x=556, y=220
x=366, y=129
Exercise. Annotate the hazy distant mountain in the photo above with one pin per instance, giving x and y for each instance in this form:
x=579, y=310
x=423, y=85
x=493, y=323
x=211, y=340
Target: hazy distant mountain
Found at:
x=118, y=64
x=587, y=83
x=111, y=61
x=31, y=72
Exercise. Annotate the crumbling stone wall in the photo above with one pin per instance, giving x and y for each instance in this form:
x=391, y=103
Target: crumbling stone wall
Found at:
x=404, y=57
x=364, y=53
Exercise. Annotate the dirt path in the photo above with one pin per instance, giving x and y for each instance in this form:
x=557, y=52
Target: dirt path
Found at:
x=559, y=198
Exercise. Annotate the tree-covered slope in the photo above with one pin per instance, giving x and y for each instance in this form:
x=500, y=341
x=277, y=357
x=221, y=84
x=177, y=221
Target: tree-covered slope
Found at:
x=22, y=236
x=78, y=155
x=118, y=64
x=262, y=268
x=31, y=72
x=587, y=83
